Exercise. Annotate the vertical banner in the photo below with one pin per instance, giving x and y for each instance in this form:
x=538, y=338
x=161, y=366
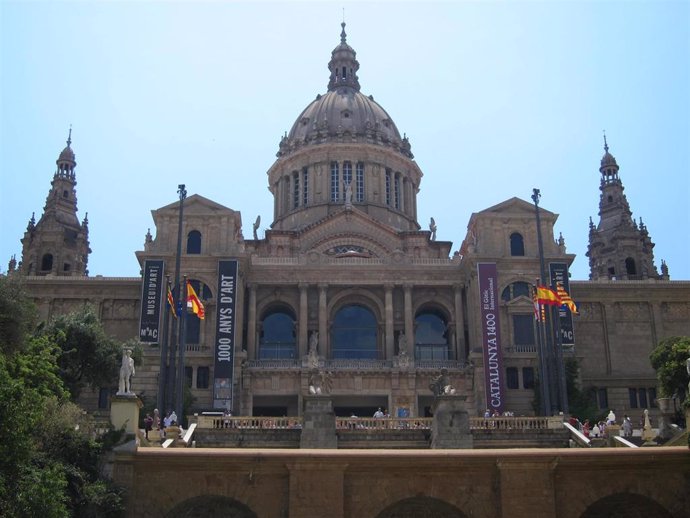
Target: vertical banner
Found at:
x=491, y=335
x=558, y=272
x=224, y=347
x=151, y=289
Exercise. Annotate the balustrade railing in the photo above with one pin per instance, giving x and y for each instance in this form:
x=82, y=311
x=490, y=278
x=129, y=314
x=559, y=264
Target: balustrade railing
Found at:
x=274, y=364
x=383, y=423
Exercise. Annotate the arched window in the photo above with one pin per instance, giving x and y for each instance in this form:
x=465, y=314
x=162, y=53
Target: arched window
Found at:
x=47, y=262
x=277, y=339
x=517, y=244
x=630, y=266
x=354, y=333
x=431, y=336
x=194, y=242
x=514, y=290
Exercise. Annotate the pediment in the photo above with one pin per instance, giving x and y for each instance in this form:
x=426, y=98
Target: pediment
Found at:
x=515, y=207
x=195, y=205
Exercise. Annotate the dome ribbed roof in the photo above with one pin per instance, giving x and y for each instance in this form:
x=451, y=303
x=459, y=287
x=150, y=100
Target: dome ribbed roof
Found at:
x=344, y=114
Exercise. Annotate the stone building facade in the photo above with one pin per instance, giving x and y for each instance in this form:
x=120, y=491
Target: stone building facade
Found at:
x=348, y=283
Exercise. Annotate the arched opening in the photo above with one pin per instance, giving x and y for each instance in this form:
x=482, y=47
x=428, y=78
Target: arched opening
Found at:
x=514, y=290
x=421, y=507
x=194, y=242
x=431, y=336
x=277, y=339
x=517, y=244
x=47, y=262
x=354, y=333
x=211, y=506
x=625, y=505
x=630, y=268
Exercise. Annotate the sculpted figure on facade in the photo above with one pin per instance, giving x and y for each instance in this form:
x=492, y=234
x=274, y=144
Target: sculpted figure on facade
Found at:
x=126, y=373
x=440, y=384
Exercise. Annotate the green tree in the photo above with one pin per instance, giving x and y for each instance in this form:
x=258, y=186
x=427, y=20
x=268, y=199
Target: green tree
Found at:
x=89, y=357
x=49, y=464
x=669, y=361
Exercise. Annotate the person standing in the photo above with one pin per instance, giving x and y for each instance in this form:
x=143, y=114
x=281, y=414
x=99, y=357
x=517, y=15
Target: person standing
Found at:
x=148, y=425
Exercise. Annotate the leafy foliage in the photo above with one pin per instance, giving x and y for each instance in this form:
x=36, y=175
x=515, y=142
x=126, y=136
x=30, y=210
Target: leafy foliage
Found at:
x=669, y=361
x=88, y=356
x=49, y=461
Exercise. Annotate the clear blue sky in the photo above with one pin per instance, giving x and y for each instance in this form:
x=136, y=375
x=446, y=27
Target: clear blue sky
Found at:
x=496, y=98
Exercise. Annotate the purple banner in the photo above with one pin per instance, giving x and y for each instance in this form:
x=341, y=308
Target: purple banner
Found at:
x=224, y=347
x=559, y=274
x=491, y=336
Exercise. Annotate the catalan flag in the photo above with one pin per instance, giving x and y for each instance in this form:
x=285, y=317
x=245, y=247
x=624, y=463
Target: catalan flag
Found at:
x=171, y=302
x=547, y=296
x=194, y=303
x=566, y=300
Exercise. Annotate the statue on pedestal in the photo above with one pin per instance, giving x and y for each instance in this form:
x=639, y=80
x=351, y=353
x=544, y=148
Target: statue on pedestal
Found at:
x=126, y=373
x=440, y=385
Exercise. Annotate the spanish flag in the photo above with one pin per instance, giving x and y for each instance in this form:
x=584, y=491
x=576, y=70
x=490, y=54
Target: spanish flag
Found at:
x=547, y=296
x=194, y=303
x=566, y=300
x=171, y=302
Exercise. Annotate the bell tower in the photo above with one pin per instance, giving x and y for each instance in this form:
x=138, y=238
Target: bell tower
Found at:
x=58, y=244
x=619, y=247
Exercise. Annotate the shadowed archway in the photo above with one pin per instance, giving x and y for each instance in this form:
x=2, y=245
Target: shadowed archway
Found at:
x=421, y=507
x=211, y=506
x=626, y=505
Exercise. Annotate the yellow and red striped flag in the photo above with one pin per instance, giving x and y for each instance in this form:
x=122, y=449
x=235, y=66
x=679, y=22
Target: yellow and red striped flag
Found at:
x=171, y=302
x=194, y=303
x=566, y=300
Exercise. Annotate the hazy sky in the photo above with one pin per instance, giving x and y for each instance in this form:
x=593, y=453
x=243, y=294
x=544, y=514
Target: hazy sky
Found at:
x=496, y=98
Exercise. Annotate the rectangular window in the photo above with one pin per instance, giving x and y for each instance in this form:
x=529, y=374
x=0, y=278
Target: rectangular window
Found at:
x=523, y=330
x=360, y=182
x=642, y=397
x=528, y=377
x=388, y=186
x=305, y=186
x=295, y=190
x=602, y=398
x=651, y=392
x=335, y=182
x=397, y=190
x=632, y=396
x=202, y=377
x=512, y=378
x=188, y=372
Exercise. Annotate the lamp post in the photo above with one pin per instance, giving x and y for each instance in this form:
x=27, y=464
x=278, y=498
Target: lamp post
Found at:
x=543, y=339
x=170, y=393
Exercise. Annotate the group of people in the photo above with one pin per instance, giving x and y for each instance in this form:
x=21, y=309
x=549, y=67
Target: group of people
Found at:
x=488, y=413
x=601, y=428
x=156, y=423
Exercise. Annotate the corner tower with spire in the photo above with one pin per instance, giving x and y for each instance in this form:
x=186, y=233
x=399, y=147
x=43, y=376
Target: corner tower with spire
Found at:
x=619, y=247
x=58, y=244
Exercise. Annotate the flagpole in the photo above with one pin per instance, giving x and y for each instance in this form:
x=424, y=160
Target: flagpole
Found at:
x=545, y=379
x=163, y=374
x=181, y=381
x=178, y=294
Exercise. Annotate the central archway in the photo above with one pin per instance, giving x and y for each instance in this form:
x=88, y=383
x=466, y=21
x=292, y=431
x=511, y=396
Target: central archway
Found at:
x=354, y=333
x=421, y=507
x=626, y=505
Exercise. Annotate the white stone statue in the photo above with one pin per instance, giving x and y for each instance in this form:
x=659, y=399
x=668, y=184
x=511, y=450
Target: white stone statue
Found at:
x=126, y=373
x=348, y=194
x=402, y=344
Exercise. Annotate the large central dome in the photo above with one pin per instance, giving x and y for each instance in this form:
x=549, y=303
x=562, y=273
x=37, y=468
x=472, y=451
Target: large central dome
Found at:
x=344, y=153
x=344, y=114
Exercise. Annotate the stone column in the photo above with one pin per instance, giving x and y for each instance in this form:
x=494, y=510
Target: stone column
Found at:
x=251, y=323
x=324, y=342
x=460, y=345
x=303, y=319
x=409, y=321
x=390, y=335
